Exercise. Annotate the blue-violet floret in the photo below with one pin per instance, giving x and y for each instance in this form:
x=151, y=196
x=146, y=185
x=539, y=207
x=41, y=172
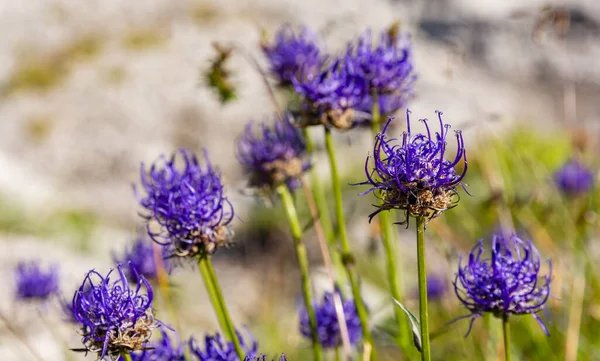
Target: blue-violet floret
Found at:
x=507, y=283
x=35, y=283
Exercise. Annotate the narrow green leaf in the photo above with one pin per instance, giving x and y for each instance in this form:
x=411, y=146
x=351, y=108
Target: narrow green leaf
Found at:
x=415, y=324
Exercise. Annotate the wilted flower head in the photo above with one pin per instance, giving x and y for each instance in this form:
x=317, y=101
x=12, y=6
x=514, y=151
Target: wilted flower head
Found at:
x=274, y=156
x=330, y=96
x=292, y=55
x=33, y=283
x=327, y=322
x=140, y=259
x=217, y=349
x=114, y=318
x=387, y=67
x=574, y=178
x=414, y=175
x=163, y=350
x=507, y=283
x=188, y=202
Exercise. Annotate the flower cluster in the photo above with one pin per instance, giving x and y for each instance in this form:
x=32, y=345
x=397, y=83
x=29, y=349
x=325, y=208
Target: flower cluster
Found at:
x=189, y=204
x=507, y=283
x=217, y=349
x=292, y=55
x=330, y=96
x=163, y=350
x=140, y=259
x=33, y=283
x=574, y=178
x=113, y=317
x=327, y=322
x=387, y=69
x=277, y=155
x=413, y=175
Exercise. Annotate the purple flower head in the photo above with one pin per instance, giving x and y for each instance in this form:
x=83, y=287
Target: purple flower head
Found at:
x=34, y=283
x=330, y=96
x=188, y=202
x=508, y=283
x=113, y=317
x=264, y=358
x=327, y=322
x=163, y=350
x=414, y=175
x=387, y=67
x=217, y=349
x=388, y=105
x=436, y=287
x=292, y=55
x=276, y=155
x=574, y=178
x=140, y=259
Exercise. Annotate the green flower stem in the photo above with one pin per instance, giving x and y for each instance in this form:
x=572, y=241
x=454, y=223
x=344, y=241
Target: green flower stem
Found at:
x=216, y=298
x=347, y=257
x=126, y=356
x=423, y=308
x=506, y=332
x=318, y=193
x=388, y=238
x=296, y=228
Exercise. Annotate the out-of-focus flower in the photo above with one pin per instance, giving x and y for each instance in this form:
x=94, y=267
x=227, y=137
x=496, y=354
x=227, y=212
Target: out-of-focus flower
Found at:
x=34, y=283
x=217, y=349
x=574, y=178
x=387, y=68
x=163, y=350
x=329, y=96
x=292, y=55
x=327, y=322
x=113, y=317
x=413, y=175
x=507, y=283
x=140, y=259
x=188, y=202
x=436, y=287
x=276, y=155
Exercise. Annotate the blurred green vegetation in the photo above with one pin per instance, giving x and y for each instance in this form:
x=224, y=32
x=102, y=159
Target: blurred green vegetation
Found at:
x=38, y=71
x=144, y=39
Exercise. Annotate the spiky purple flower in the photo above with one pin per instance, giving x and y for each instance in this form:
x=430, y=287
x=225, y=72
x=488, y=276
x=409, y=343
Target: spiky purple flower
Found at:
x=292, y=55
x=140, y=259
x=276, y=155
x=387, y=67
x=188, y=202
x=163, y=350
x=414, y=175
x=328, y=326
x=35, y=283
x=113, y=317
x=574, y=178
x=217, y=349
x=330, y=96
x=507, y=283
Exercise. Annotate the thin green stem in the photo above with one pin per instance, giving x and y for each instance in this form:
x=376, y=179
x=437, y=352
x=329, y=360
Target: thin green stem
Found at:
x=126, y=356
x=390, y=249
x=423, y=308
x=506, y=332
x=347, y=257
x=296, y=228
x=216, y=298
x=319, y=194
